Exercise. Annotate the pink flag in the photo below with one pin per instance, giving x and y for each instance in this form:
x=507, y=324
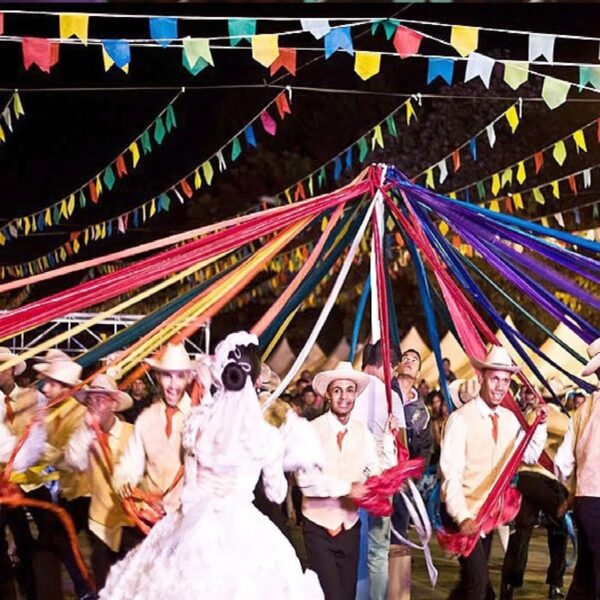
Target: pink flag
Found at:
x=406, y=41
x=268, y=123
x=39, y=51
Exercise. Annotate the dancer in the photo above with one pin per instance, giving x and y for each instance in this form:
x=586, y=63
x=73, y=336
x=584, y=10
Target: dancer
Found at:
x=208, y=548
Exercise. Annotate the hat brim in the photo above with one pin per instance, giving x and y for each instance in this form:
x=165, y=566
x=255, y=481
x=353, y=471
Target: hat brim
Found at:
x=157, y=366
x=591, y=367
x=19, y=367
x=322, y=380
x=124, y=400
x=484, y=366
x=454, y=389
x=41, y=369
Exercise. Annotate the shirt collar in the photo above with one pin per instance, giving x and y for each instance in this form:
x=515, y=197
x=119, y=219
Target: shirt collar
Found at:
x=335, y=423
x=14, y=393
x=483, y=408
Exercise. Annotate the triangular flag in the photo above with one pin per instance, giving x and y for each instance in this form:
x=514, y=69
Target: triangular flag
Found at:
x=440, y=67
x=410, y=112
x=518, y=200
x=456, y=160
x=539, y=161
x=121, y=166
x=513, y=118
x=170, y=120
x=338, y=39
x=135, y=153
x=377, y=138
x=74, y=24
x=195, y=48
x=283, y=107
x=521, y=172
x=587, y=178
x=554, y=92
x=479, y=65
x=250, y=137
x=516, y=73
x=367, y=64
x=443, y=167
x=541, y=44
x=538, y=196
x=429, y=182
x=285, y=60
x=236, y=149
x=464, y=39
x=221, y=160
x=265, y=48
x=572, y=183
x=17, y=106
x=318, y=27
x=579, y=139
x=163, y=30
x=240, y=29
x=197, y=180
x=118, y=51
x=495, y=184
x=200, y=65
x=391, y=125
x=389, y=26
x=555, y=189
x=363, y=149
x=559, y=152
x=159, y=130
x=473, y=148
x=491, y=134
x=37, y=51
x=406, y=41
x=207, y=171
x=268, y=123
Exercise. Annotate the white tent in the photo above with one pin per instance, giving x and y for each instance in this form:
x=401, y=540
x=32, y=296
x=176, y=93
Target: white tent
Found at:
x=459, y=361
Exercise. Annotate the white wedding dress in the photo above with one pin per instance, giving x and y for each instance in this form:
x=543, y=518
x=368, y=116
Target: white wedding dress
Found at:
x=218, y=546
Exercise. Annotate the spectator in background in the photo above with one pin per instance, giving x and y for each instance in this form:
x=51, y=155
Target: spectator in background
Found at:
x=574, y=400
x=423, y=389
x=300, y=385
x=306, y=375
x=434, y=401
x=141, y=397
x=450, y=376
x=312, y=405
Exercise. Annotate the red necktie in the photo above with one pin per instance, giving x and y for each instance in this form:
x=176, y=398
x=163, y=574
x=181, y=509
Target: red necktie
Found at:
x=170, y=411
x=494, y=418
x=340, y=437
x=10, y=413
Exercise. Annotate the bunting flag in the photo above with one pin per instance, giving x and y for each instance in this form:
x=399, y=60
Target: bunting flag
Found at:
x=407, y=41
x=163, y=30
x=265, y=48
x=541, y=44
x=367, y=64
x=74, y=25
x=116, y=52
x=516, y=73
x=338, y=39
x=92, y=190
x=464, y=39
x=440, y=67
x=479, y=65
x=286, y=60
x=13, y=110
x=202, y=174
x=40, y=52
x=554, y=92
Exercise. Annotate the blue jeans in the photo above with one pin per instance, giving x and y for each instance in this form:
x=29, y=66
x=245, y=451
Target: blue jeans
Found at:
x=377, y=557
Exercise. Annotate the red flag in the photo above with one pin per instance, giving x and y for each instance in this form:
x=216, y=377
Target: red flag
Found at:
x=508, y=205
x=299, y=193
x=185, y=188
x=37, y=51
x=283, y=106
x=285, y=60
x=456, y=160
x=93, y=193
x=1, y=23
x=539, y=161
x=121, y=166
x=406, y=41
x=573, y=184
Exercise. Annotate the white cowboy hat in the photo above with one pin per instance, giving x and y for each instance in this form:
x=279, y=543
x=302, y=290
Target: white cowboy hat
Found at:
x=344, y=370
x=174, y=358
x=63, y=371
x=6, y=355
x=463, y=391
x=52, y=355
x=558, y=387
x=104, y=384
x=268, y=380
x=593, y=365
x=497, y=359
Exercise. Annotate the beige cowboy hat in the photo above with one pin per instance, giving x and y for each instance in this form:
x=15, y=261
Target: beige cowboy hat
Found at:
x=67, y=372
x=174, y=358
x=52, y=355
x=344, y=370
x=497, y=359
x=593, y=365
x=268, y=380
x=558, y=387
x=104, y=384
x=463, y=391
x=6, y=355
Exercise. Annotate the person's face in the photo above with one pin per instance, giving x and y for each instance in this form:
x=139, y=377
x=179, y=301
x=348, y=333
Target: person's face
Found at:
x=309, y=398
x=300, y=385
x=446, y=364
x=7, y=377
x=578, y=400
x=138, y=387
x=306, y=375
x=529, y=399
x=173, y=385
x=494, y=385
x=103, y=405
x=436, y=404
x=342, y=395
x=409, y=365
x=53, y=389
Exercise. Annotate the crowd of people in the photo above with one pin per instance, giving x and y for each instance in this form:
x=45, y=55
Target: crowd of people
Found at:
x=186, y=484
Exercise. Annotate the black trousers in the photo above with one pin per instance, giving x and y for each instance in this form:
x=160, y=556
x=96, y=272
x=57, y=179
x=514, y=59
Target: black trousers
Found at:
x=540, y=493
x=103, y=558
x=474, y=582
x=333, y=558
x=586, y=577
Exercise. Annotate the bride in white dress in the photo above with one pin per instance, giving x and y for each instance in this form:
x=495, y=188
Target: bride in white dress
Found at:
x=218, y=546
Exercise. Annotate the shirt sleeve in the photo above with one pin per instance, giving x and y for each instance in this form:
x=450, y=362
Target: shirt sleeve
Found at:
x=452, y=466
x=564, y=461
x=536, y=446
x=132, y=465
x=77, y=450
x=273, y=477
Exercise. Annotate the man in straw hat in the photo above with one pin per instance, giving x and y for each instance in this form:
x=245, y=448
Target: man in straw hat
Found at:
x=58, y=375
x=153, y=456
x=540, y=491
x=110, y=531
x=579, y=456
x=331, y=526
x=478, y=441
x=18, y=407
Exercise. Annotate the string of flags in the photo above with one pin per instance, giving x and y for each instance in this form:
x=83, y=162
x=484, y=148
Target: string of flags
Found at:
x=104, y=180
x=13, y=110
x=181, y=191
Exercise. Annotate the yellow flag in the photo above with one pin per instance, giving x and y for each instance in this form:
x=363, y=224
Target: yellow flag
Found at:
x=429, y=179
x=560, y=152
x=76, y=246
x=513, y=118
x=507, y=177
x=452, y=195
x=71, y=205
x=518, y=200
x=17, y=106
x=444, y=227
x=98, y=186
x=135, y=153
x=208, y=172
x=367, y=64
x=152, y=208
x=48, y=217
x=265, y=48
x=76, y=25
x=27, y=226
x=516, y=73
x=521, y=173
x=545, y=222
x=2, y=136
x=410, y=112
x=63, y=254
x=579, y=139
x=495, y=184
x=494, y=206
x=63, y=209
x=108, y=62
x=555, y=189
x=377, y=139
x=197, y=180
x=464, y=39
x=538, y=196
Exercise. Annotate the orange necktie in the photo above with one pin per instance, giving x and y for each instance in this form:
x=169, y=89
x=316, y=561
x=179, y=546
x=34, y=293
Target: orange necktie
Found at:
x=494, y=418
x=10, y=413
x=170, y=411
x=340, y=437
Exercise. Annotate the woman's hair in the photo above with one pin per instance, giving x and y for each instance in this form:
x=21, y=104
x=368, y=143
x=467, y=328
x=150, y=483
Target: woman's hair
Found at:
x=245, y=363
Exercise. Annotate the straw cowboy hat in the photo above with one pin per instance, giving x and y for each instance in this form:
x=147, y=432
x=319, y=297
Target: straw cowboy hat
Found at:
x=558, y=387
x=52, y=355
x=268, y=380
x=6, y=355
x=66, y=372
x=344, y=370
x=593, y=365
x=497, y=359
x=174, y=358
x=463, y=391
x=104, y=384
